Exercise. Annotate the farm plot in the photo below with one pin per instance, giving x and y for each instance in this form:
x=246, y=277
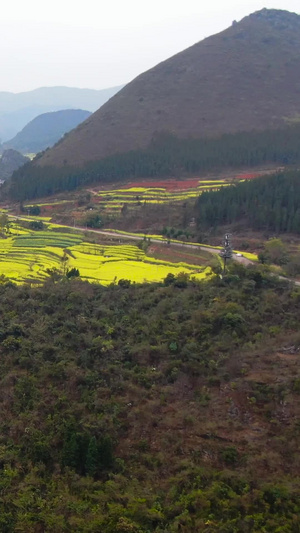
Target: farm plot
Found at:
x=167, y=191
x=28, y=256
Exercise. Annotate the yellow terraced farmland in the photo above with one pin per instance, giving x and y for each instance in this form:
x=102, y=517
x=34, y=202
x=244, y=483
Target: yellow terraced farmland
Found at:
x=29, y=256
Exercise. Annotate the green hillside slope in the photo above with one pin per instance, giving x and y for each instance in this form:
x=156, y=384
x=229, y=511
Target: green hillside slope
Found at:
x=150, y=408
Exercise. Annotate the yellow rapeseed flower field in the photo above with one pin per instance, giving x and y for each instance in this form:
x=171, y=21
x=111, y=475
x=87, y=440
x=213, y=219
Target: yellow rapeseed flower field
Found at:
x=28, y=256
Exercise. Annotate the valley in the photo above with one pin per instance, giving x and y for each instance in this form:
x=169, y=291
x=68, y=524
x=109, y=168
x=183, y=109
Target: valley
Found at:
x=68, y=234
x=150, y=295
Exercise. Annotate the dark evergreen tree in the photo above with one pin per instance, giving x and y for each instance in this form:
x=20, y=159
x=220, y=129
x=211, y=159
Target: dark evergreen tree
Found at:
x=91, y=463
x=106, y=452
x=269, y=203
x=166, y=155
x=71, y=451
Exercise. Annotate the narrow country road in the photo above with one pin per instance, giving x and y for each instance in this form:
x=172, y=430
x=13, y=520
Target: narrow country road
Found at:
x=132, y=236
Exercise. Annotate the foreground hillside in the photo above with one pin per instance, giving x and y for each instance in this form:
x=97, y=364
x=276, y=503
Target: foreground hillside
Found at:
x=150, y=408
x=242, y=79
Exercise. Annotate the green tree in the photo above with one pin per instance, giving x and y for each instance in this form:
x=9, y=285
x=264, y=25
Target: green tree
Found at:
x=276, y=251
x=4, y=223
x=70, y=453
x=36, y=225
x=34, y=210
x=73, y=273
x=94, y=221
x=64, y=262
x=91, y=462
x=106, y=452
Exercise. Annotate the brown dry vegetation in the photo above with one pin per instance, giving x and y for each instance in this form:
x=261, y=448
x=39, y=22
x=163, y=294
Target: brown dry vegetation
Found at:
x=176, y=255
x=241, y=79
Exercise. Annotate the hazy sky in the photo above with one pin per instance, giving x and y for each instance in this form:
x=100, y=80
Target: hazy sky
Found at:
x=99, y=44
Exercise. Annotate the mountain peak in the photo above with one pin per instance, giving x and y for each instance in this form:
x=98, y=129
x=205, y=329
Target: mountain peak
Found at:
x=244, y=78
x=275, y=16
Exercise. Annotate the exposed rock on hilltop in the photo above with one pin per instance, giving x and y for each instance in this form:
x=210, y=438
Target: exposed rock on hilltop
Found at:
x=10, y=161
x=244, y=78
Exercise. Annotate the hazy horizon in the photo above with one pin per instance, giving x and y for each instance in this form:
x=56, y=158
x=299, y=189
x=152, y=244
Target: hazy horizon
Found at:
x=103, y=46
x=60, y=87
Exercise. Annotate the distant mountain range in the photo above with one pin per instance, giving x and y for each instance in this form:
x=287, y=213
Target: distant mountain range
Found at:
x=17, y=109
x=45, y=130
x=244, y=78
x=9, y=162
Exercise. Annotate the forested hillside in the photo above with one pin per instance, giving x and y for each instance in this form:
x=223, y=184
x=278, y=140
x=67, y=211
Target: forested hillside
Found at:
x=167, y=156
x=150, y=408
x=269, y=203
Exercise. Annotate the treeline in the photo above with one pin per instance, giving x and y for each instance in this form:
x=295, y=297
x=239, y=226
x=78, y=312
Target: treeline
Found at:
x=166, y=156
x=269, y=203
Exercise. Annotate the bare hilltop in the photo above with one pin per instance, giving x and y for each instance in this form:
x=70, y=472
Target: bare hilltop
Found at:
x=243, y=79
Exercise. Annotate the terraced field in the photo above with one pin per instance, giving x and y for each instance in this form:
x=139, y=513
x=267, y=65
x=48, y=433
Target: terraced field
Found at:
x=28, y=256
x=167, y=191
x=135, y=194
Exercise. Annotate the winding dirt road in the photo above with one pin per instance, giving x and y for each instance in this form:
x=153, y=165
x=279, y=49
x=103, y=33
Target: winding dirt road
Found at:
x=134, y=237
